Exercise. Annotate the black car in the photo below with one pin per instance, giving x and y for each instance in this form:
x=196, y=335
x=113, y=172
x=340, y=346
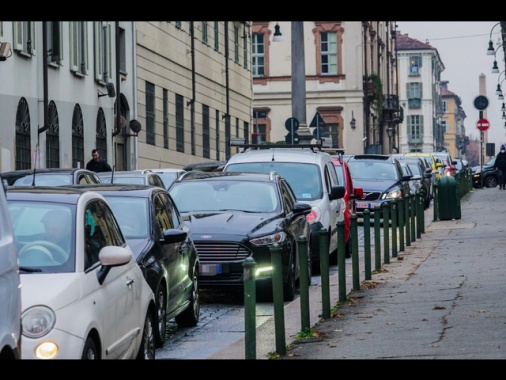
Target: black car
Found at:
x=381, y=178
x=421, y=174
x=50, y=177
x=235, y=216
x=489, y=174
x=161, y=243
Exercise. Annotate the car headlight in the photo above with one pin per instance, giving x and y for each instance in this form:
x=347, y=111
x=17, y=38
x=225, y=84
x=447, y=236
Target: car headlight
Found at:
x=278, y=237
x=37, y=321
x=394, y=194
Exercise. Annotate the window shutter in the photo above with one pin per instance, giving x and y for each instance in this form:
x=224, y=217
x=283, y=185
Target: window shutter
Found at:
x=97, y=49
x=31, y=31
x=419, y=61
x=108, y=52
x=56, y=42
x=73, y=49
x=421, y=90
x=86, y=63
x=17, y=30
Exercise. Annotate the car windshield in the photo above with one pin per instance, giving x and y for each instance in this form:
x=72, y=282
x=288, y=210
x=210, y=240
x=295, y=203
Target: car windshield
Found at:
x=304, y=178
x=131, y=214
x=44, y=235
x=225, y=195
x=372, y=170
x=168, y=177
x=44, y=180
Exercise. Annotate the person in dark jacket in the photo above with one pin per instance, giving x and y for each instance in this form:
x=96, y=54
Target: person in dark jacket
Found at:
x=97, y=164
x=500, y=166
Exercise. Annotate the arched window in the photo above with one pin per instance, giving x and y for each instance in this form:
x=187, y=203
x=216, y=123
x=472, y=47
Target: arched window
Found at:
x=53, y=137
x=101, y=143
x=23, y=141
x=77, y=138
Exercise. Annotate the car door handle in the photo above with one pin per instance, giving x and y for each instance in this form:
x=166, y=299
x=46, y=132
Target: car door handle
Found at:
x=130, y=281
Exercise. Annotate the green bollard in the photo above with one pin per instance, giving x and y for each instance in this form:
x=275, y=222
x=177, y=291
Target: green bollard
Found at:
x=435, y=202
x=250, y=309
x=302, y=245
x=354, y=255
x=407, y=211
x=422, y=218
x=324, y=272
x=394, y=228
x=400, y=201
x=413, y=218
x=419, y=216
x=277, y=298
x=367, y=243
x=341, y=263
x=386, y=235
x=377, y=238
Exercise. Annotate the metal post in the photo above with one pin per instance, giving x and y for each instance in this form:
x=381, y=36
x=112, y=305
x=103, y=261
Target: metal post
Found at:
x=324, y=272
x=354, y=255
x=394, y=228
x=367, y=243
x=400, y=201
x=250, y=308
x=386, y=235
x=302, y=244
x=341, y=264
x=377, y=238
x=407, y=211
x=277, y=298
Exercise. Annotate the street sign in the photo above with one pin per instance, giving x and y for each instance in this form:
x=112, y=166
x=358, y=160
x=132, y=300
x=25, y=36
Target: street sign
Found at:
x=318, y=133
x=291, y=124
x=482, y=124
x=290, y=140
x=317, y=121
x=480, y=102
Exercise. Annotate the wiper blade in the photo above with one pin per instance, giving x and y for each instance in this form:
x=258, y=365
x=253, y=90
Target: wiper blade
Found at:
x=30, y=269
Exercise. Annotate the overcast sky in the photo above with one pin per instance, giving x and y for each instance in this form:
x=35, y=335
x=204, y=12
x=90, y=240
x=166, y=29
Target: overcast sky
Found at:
x=462, y=47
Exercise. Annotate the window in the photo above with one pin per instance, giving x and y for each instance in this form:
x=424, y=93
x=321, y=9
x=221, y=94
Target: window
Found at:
x=246, y=132
x=178, y=24
x=24, y=37
x=258, y=55
x=122, y=52
x=415, y=129
x=205, y=131
x=179, y=123
x=78, y=47
x=77, y=138
x=165, y=118
x=103, y=51
x=444, y=125
x=23, y=140
x=54, y=42
x=415, y=64
x=445, y=106
x=227, y=136
x=204, y=32
x=150, y=113
x=414, y=94
x=236, y=44
x=245, y=50
x=53, y=137
x=101, y=134
x=328, y=51
x=216, y=36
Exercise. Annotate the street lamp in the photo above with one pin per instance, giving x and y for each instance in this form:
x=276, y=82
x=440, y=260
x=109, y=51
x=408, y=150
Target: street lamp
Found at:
x=353, y=122
x=490, y=50
x=278, y=37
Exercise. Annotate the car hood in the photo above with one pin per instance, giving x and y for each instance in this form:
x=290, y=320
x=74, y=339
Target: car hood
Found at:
x=55, y=290
x=374, y=185
x=228, y=223
x=139, y=246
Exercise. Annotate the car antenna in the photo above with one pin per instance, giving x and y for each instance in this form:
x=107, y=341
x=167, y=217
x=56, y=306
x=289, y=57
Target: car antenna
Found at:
x=33, y=178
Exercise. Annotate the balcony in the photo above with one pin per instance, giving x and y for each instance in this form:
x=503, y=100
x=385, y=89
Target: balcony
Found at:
x=390, y=103
x=414, y=103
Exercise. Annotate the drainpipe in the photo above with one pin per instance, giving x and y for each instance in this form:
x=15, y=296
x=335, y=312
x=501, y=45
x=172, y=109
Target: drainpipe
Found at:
x=227, y=96
x=192, y=101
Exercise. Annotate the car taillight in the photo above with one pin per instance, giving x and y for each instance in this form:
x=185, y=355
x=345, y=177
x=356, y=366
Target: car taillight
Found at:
x=311, y=216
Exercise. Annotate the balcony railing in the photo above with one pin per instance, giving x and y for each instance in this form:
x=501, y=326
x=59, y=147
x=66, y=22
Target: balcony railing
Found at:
x=414, y=103
x=390, y=103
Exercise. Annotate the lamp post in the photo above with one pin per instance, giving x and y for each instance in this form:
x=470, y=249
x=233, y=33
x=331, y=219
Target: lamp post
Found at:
x=490, y=50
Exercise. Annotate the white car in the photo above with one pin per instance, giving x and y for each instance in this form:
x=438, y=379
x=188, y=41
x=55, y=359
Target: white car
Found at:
x=10, y=289
x=311, y=174
x=169, y=175
x=83, y=294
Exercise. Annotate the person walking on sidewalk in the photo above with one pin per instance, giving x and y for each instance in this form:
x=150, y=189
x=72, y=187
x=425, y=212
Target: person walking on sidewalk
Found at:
x=98, y=164
x=500, y=166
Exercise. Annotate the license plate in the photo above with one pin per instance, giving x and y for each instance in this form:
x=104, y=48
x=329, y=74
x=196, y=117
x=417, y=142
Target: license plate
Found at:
x=210, y=269
x=369, y=205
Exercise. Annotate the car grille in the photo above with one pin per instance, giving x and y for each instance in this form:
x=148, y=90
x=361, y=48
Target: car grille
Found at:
x=371, y=196
x=222, y=252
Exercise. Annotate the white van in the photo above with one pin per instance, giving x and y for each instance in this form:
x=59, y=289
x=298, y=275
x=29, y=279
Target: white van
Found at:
x=311, y=174
x=10, y=289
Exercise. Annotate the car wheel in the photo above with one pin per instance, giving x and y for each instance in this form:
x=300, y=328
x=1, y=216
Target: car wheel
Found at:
x=147, y=348
x=190, y=316
x=289, y=285
x=90, y=351
x=491, y=181
x=161, y=316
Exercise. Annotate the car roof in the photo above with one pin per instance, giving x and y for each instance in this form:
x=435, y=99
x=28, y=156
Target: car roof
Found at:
x=58, y=194
x=279, y=154
x=219, y=176
x=379, y=157
x=130, y=189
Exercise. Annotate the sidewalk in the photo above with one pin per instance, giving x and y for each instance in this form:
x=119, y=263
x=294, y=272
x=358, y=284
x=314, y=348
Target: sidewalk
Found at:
x=441, y=298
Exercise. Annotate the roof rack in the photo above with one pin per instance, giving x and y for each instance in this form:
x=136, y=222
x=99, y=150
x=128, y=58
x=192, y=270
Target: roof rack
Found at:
x=313, y=147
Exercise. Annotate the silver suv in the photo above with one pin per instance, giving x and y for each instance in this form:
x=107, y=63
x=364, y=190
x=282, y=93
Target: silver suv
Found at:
x=311, y=174
x=10, y=289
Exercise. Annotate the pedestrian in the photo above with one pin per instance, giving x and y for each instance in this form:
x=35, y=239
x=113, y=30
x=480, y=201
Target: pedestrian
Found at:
x=97, y=164
x=500, y=166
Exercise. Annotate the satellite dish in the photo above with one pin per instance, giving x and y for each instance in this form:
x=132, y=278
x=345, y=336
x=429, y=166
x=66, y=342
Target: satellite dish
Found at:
x=135, y=126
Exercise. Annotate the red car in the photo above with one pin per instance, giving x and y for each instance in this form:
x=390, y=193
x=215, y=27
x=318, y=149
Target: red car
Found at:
x=344, y=176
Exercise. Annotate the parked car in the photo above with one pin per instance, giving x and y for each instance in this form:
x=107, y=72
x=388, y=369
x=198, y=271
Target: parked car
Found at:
x=414, y=181
x=489, y=174
x=461, y=165
x=10, y=286
x=236, y=216
x=50, y=177
x=382, y=179
x=430, y=161
x=162, y=246
x=83, y=294
x=139, y=177
x=311, y=174
x=449, y=164
x=351, y=193
x=168, y=175
x=421, y=174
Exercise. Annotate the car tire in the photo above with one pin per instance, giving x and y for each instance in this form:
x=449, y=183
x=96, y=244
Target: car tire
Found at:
x=190, y=316
x=491, y=181
x=160, y=329
x=147, y=348
x=90, y=351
